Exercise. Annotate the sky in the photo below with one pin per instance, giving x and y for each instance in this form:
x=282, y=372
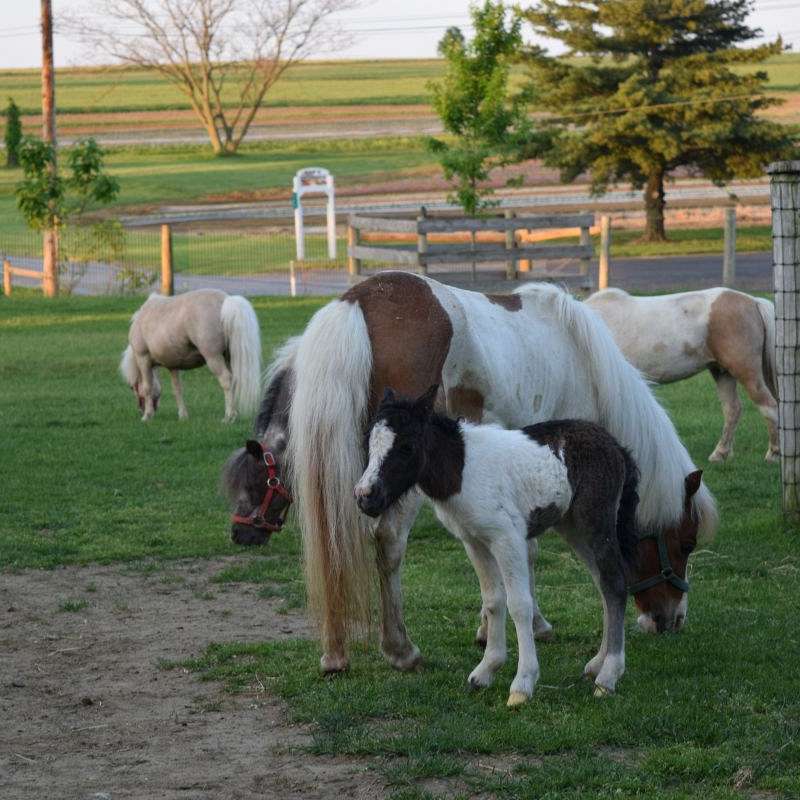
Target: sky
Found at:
x=379, y=29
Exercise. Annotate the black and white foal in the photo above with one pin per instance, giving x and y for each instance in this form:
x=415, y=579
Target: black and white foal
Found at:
x=493, y=489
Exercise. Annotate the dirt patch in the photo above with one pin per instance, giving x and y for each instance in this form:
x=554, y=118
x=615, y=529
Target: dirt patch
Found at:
x=89, y=712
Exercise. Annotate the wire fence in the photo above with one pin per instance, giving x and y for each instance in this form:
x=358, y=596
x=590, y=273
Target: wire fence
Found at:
x=109, y=259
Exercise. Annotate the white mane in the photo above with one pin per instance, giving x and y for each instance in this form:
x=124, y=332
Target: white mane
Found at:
x=628, y=409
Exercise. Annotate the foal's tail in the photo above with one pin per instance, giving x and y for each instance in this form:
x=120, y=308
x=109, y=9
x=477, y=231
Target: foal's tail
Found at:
x=627, y=529
x=767, y=311
x=240, y=324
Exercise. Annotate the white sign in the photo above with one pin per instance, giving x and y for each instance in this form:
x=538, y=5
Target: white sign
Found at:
x=313, y=180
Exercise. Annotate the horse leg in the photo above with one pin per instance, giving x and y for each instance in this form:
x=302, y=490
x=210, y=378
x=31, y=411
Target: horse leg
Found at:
x=220, y=369
x=147, y=383
x=493, y=599
x=598, y=548
x=510, y=551
x=177, y=389
x=731, y=410
x=542, y=629
x=391, y=539
x=758, y=392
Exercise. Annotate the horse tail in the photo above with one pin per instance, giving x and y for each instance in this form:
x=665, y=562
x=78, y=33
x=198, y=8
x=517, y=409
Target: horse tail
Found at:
x=243, y=335
x=128, y=367
x=767, y=311
x=333, y=366
x=627, y=408
x=627, y=529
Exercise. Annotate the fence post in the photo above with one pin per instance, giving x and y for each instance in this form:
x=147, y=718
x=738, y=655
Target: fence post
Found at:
x=605, y=251
x=6, y=277
x=586, y=239
x=292, y=279
x=729, y=252
x=353, y=263
x=785, y=201
x=511, y=243
x=422, y=242
x=167, y=279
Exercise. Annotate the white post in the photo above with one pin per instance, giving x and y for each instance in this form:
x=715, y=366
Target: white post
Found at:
x=729, y=256
x=292, y=279
x=299, y=231
x=785, y=199
x=331, y=218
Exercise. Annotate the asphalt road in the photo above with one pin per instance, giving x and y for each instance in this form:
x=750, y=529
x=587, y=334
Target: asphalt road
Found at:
x=672, y=273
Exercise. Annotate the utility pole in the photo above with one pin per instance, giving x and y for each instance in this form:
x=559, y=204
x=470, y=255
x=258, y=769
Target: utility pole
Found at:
x=50, y=236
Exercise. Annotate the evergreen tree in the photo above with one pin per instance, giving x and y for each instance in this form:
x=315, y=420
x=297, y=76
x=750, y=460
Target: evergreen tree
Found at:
x=13, y=135
x=657, y=92
x=473, y=102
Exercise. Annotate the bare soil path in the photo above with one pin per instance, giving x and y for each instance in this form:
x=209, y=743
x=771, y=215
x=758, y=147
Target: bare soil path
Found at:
x=89, y=713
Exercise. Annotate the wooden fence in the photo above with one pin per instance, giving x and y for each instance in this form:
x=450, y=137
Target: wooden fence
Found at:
x=507, y=247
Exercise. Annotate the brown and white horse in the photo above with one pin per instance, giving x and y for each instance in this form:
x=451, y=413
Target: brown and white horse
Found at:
x=674, y=336
x=205, y=326
x=510, y=359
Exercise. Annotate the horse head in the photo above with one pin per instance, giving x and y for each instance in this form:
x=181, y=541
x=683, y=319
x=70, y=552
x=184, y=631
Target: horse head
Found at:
x=660, y=591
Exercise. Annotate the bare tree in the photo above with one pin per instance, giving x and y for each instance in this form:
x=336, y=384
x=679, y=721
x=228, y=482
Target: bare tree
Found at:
x=224, y=55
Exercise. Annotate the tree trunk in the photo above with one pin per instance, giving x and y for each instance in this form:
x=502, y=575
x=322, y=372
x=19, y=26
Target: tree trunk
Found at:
x=654, y=207
x=50, y=239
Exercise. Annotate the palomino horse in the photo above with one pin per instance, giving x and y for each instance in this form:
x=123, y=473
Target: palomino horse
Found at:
x=511, y=359
x=494, y=489
x=675, y=336
x=205, y=326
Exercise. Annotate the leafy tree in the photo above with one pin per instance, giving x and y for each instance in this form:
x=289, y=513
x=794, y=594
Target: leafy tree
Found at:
x=47, y=199
x=474, y=105
x=656, y=93
x=13, y=135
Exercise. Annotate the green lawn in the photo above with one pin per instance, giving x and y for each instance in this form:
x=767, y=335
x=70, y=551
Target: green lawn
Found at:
x=711, y=713
x=314, y=83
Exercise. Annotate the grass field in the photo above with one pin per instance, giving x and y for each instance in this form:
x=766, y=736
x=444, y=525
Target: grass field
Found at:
x=314, y=83
x=711, y=713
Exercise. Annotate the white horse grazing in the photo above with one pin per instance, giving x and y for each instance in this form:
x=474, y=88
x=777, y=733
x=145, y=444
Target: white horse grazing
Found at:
x=674, y=336
x=205, y=326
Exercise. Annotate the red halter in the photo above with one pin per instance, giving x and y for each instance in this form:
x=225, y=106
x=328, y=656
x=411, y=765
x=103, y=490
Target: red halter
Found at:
x=274, y=487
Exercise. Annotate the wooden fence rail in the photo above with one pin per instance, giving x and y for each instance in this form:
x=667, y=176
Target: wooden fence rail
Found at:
x=517, y=256
x=9, y=271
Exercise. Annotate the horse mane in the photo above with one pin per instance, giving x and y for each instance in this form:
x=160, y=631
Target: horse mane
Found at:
x=274, y=377
x=240, y=471
x=629, y=410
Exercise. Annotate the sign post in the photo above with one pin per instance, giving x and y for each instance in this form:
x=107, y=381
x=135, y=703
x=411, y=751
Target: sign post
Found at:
x=313, y=180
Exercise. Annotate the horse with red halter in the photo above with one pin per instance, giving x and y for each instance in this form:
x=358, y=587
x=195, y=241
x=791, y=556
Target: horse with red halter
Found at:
x=514, y=360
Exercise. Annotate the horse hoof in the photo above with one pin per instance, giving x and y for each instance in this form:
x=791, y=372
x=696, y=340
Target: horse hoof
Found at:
x=331, y=665
x=517, y=699
x=719, y=458
x=772, y=458
x=406, y=663
x=602, y=691
x=545, y=635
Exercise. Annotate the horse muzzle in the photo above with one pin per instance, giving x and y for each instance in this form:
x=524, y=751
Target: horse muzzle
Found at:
x=247, y=535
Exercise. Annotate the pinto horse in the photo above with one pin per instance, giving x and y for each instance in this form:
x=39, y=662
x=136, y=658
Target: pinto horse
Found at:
x=205, y=326
x=674, y=336
x=495, y=489
x=514, y=360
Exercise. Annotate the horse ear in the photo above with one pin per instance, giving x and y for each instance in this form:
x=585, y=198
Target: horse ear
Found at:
x=425, y=402
x=388, y=395
x=254, y=448
x=692, y=482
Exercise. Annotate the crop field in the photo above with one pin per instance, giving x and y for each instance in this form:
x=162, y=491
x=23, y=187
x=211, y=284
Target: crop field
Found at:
x=711, y=713
x=315, y=83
